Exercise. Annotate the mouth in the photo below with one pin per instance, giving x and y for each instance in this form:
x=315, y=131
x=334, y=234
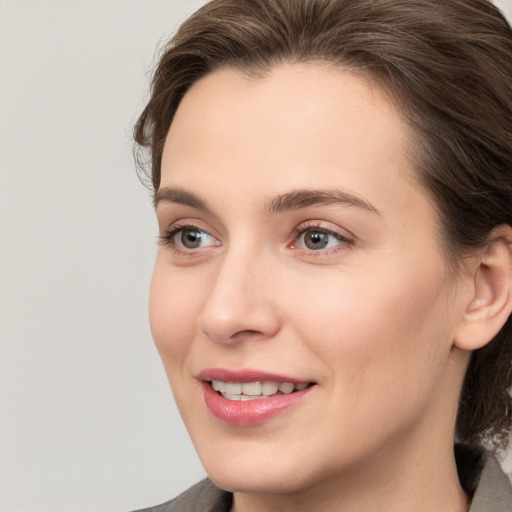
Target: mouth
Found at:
x=251, y=397
x=257, y=390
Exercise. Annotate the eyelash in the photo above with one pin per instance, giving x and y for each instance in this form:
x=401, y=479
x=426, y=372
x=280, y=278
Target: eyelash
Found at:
x=314, y=227
x=168, y=238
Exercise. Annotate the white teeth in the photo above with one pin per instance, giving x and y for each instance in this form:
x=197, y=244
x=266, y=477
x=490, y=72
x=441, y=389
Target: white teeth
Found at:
x=218, y=385
x=233, y=388
x=270, y=388
x=255, y=390
x=232, y=397
x=286, y=387
x=251, y=388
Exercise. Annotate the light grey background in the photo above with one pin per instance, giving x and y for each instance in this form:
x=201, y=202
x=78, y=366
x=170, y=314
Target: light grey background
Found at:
x=86, y=419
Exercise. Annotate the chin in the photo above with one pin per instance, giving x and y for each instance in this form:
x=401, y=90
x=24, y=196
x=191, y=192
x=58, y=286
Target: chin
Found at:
x=258, y=480
x=268, y=466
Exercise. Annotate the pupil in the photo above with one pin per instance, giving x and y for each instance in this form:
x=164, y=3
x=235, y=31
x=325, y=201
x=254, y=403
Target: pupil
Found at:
x=316, y=240
x=191, y=239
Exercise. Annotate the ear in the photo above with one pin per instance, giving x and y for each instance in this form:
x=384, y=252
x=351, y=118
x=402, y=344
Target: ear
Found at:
x=491, y=302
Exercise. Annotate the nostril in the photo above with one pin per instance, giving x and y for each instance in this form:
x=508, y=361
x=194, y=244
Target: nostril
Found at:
x=246, y=334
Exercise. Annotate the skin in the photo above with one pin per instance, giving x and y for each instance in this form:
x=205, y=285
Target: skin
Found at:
x=372, y=320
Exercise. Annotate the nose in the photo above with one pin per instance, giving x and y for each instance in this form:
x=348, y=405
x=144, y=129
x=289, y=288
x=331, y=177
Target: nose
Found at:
x=240, y=304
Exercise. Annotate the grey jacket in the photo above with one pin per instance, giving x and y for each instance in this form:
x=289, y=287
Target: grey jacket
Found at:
x=489, y=486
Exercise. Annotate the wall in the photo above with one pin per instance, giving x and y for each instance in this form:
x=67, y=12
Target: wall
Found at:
x=87, y=421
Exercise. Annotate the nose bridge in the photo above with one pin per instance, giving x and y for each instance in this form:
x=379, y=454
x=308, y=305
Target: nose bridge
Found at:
x=239, y=303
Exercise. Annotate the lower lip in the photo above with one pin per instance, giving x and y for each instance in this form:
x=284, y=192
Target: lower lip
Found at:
x=250, y=412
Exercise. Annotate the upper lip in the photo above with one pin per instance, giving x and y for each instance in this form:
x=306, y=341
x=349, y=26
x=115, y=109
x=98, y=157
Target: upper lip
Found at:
x=245, y=375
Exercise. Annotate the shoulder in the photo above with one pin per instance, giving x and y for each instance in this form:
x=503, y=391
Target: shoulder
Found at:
x=202, y=497
x=492, y=488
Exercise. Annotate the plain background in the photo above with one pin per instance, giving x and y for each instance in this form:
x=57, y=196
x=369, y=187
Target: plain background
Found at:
x=87, y=420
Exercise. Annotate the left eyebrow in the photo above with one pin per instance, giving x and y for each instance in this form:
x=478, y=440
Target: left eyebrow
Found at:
x=304, y=198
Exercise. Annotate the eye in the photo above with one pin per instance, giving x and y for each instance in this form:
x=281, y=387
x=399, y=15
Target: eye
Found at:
x=193, y=238
x=317, y=238
x=188, y=238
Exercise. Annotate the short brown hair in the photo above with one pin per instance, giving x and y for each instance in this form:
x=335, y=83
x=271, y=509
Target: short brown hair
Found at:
x=447, y=64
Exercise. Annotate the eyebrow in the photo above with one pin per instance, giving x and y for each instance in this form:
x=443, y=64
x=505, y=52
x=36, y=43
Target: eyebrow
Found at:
x=294, y=200
x=179, y=196
x=304, y=198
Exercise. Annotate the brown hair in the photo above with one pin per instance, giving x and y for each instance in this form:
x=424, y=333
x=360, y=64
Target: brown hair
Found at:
x=447, y=64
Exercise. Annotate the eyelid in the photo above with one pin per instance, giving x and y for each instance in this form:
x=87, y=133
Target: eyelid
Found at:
x=345, y=240
x=167, y=237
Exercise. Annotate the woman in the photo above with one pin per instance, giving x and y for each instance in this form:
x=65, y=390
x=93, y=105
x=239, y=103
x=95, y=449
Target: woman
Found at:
x=331, y=295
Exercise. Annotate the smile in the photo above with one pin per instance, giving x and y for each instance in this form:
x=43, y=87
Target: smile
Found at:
x=251, y=397
x=245, y=391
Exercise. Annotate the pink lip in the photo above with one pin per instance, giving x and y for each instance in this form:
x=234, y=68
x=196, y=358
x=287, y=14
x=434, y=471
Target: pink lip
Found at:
x=251, y=412
x=247, y=375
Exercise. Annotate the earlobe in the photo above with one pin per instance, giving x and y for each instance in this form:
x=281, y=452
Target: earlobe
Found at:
x=491, y=302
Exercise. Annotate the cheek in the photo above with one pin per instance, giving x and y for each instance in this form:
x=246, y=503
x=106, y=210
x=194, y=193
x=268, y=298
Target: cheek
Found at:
x=173, y=311
x=391, y=330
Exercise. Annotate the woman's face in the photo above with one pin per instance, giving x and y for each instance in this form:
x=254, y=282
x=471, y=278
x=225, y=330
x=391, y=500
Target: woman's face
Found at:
x=297, y=250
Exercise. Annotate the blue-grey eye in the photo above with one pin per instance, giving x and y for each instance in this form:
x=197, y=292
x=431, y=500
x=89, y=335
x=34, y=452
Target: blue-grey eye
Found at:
x=194, y=238
x=315, y=240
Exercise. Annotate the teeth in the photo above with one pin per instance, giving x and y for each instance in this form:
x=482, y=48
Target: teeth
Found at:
x=233, y=388
x=218, y=385
x=286, y=387
x=251, y=388
x=270, y=388
x=254, y=390
x=232, y=397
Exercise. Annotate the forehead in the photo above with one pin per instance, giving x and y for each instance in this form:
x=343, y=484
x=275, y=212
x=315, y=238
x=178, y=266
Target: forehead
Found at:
x=289, y=97
x=298, y=118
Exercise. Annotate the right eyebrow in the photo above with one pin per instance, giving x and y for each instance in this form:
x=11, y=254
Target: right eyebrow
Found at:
x=179, y=196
